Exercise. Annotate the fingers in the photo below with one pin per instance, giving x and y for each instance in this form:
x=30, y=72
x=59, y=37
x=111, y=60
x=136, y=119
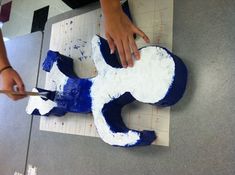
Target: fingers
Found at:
x=142, y=34
x=20, y=88
x=11, y=80
x=125, y=45
x=19, y=84
x=121, y=53
x=134, y=47
x=13, y=97
x=127, y=51
x=111, y=43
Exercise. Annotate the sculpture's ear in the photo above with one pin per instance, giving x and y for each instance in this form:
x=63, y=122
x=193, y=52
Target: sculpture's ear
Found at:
x=64, y=63
x=110, y=59
x=101, y=54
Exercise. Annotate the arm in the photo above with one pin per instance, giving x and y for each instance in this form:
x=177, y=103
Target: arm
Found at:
x=119, y=31
x=8, y=76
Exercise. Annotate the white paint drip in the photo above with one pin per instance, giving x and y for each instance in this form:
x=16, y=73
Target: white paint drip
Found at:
x=32, y=170
x=17, y=173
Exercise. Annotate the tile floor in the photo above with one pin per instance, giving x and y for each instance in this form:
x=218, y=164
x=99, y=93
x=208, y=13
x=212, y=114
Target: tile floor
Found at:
x=22, y=15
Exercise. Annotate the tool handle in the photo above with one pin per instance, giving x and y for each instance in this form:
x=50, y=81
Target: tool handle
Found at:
x=18, y=93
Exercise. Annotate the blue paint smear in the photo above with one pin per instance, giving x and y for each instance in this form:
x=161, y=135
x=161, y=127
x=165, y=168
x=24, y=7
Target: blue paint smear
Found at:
x=76, y=47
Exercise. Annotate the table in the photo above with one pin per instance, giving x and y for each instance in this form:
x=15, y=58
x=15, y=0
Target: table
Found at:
x=202, y=123
x=15, y=125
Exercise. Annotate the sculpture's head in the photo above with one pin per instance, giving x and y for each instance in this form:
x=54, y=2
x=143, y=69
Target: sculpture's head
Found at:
x=160, y=77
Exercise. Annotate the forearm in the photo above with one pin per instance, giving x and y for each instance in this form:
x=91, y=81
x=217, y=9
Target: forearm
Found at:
x=110, y=7
x=3, y=55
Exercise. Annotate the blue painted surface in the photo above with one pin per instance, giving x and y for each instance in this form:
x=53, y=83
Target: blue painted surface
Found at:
x=112, y=114
x=64, y=63
x=178, y=86
x=110, y=59
x=49, y=60
x=75, y=96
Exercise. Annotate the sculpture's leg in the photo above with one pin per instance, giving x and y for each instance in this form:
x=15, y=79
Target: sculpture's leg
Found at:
x=72, y=93
x=112, y=129
x=112, y=114
x=42, y=106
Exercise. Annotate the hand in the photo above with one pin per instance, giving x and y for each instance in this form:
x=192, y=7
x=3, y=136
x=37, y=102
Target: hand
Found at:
x=9, y=78
x=119, y=31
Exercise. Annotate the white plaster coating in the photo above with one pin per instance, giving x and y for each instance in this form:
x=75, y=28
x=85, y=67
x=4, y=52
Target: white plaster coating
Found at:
x=32, y=170
x=55, y=82
x=148, y=81
x=36, y=102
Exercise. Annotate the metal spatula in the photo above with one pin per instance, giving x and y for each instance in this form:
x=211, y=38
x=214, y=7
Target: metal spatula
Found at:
x=41, y=94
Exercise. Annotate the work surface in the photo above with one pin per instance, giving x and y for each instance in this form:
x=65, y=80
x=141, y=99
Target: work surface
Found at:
x=202, y=123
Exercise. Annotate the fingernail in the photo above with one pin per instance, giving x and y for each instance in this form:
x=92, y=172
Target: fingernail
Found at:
x=138, y=56
x=146, y=39
x=111, y=51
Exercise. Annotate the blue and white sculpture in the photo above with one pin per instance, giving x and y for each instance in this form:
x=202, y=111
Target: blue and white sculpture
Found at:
x=158, y=78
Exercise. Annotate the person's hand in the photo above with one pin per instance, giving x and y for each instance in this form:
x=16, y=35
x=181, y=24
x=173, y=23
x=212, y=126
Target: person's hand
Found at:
x=119, y=31
x=9, y=79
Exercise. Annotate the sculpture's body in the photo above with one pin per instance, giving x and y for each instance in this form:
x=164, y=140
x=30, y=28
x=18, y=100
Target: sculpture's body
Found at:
x=158, y=78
